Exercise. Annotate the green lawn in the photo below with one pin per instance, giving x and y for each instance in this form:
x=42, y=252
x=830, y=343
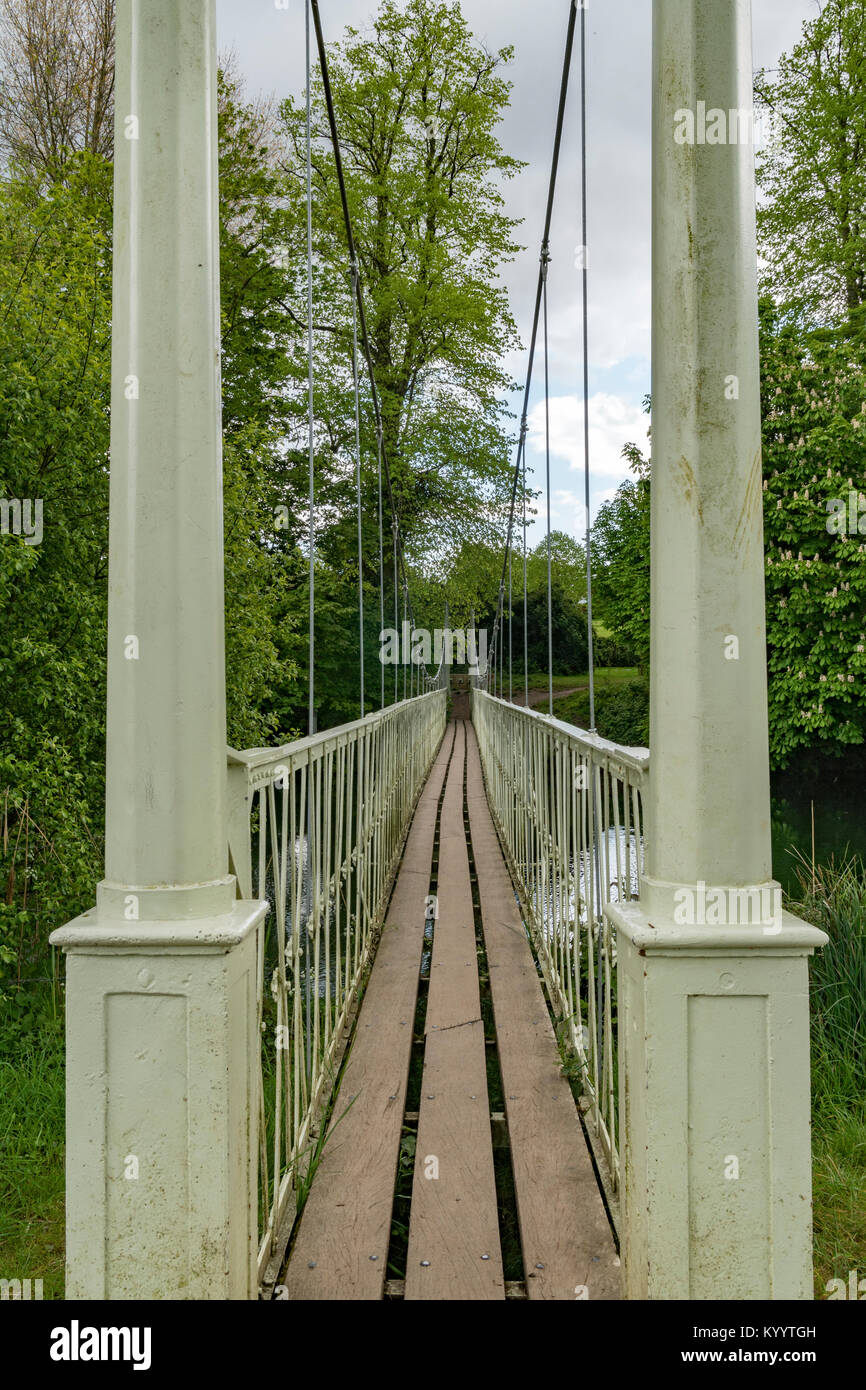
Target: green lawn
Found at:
x=31, y=1161
x=836, y=902
x=621, y=706
x=605, y=677
x=838, y=1170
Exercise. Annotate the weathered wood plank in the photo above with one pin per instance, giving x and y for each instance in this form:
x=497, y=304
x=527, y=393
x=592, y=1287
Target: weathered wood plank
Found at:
x=565, y=1235
x=454, y=1251
x=342, y=1244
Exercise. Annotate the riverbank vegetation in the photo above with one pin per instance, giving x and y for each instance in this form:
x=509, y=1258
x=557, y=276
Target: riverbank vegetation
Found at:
x=833, y=897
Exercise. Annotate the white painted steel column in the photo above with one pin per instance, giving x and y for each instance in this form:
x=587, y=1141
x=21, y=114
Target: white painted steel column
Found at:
x=713, y=1002
x=161, y=976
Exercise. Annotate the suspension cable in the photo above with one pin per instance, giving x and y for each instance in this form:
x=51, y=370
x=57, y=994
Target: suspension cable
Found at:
x=590, y=634
x=354, y=273
x=359, y=294
x=545, y=244
x=381, y=562
x=403, y=629
x=525, y=603
x=545, y=264
x=397, y=627
x=311, y=712
x=510, y=632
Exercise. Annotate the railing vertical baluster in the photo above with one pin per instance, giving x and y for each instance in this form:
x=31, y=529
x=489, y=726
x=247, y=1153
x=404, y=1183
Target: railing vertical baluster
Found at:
x=555, y=795
x=314, y=851
x=325, y=887
x=329, y=860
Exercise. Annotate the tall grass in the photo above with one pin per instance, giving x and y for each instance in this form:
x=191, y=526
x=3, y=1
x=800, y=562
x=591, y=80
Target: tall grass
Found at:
x=833, y=897
x=32, y=1155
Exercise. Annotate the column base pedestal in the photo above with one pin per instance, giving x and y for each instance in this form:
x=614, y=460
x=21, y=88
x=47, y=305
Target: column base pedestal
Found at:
x=161, y=1097
x=714, y=1108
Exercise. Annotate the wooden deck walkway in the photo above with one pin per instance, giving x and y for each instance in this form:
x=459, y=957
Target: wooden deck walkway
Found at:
x=454, y=1251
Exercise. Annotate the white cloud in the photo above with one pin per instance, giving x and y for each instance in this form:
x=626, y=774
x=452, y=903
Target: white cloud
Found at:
x=613, y=422
x=568, y=512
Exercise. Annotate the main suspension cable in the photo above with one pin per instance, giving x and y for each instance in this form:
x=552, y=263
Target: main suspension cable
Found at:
x=525, y=602
x=381, y=561
x=311, y=712
x=545, y=247
x=354, y=272
x=510, y=632
x=359, y=294
x=397, y=627
x=590, y=634
x=544, y=268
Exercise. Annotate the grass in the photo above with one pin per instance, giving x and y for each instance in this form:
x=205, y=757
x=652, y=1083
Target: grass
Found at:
x=833, y=897
x=838, y=1169
x=621, y=706
x=538, y=681
x=606, y=676
x=31, y=1159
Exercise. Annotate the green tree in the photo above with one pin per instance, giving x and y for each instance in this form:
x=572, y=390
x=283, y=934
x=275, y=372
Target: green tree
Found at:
x=568, y=622
x=567, y=566
x=814, y=404
x=620, y=548
x=812, y=218
x=55, y=318
x=814, y=464
x=55, y=270
x=56, y=82
x=417, y=104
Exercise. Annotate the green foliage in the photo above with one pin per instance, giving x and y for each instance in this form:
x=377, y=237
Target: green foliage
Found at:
x=570, y=645
x=567, y=567
x=32, y=1151
x=476, y=577
x=620, y=547
x=812, y=218
x=417, y=104
x=833, y=897
x=813, y=382
x=611, y=651
x=814, y=456
x=54, y=352
x=432, y=233
x=621, y=707
x=814, y=406
x=55, y=310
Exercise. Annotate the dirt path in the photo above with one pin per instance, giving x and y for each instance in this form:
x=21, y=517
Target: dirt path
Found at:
x=540, y=697
x=537, y=697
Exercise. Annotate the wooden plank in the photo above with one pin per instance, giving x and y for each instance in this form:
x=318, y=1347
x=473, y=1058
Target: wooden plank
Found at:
x=341, y=1247
x=565, y=1235
x=454, y=1249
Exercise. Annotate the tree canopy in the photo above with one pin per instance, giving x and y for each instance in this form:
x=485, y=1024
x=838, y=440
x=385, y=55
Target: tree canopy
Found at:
x=812, y=177
x=418, y=104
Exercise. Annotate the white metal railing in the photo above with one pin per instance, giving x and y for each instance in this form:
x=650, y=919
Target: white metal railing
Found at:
x=317, y=828
x=568, y=808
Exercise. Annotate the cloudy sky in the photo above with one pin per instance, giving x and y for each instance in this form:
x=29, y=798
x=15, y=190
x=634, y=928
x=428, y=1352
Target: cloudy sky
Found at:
x=268, y=38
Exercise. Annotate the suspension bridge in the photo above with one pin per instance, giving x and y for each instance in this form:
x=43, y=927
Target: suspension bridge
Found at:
x=416, y=1007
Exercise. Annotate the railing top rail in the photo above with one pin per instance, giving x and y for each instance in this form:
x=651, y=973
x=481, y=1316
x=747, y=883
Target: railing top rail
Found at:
x=261, y=760
x=599, y=749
